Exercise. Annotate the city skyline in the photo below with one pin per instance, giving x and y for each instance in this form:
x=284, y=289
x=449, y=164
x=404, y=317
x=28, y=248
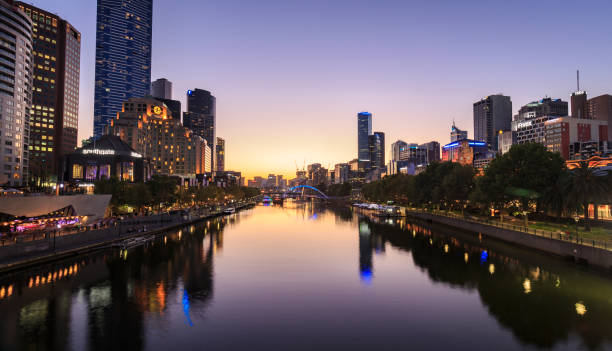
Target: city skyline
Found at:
x=400, y=71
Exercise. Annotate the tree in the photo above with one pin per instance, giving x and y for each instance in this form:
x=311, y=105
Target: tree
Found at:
x=458, y=184
x=163, y=189
x=587, y=185
x=524, y=173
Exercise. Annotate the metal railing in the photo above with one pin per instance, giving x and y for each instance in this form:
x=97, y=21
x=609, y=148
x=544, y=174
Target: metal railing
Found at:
x=553, y=235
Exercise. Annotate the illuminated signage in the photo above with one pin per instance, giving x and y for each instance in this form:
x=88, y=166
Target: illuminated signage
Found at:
x=134, y=154
x=477, y=143
x=157, y=110
x=189, y=92
x=98, y=152
x=523, y=124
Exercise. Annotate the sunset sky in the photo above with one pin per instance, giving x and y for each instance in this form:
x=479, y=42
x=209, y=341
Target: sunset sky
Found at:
x=291, y=76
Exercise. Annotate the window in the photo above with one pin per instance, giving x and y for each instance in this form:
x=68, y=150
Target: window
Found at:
x=77, y=171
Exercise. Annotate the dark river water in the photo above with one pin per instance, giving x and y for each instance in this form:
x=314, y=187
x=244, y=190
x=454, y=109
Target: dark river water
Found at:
x=307, y=277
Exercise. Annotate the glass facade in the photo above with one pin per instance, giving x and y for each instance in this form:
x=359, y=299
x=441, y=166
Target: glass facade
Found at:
x=55, y=93
x=15, y=93
x=123, y=56
x=201, y=118
x=364, y=129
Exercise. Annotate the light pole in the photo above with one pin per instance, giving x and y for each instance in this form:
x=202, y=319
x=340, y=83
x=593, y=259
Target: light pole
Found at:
x=576, y=219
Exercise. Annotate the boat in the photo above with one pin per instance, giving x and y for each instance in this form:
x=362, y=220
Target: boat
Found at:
x=266, y=200
x=229, y=210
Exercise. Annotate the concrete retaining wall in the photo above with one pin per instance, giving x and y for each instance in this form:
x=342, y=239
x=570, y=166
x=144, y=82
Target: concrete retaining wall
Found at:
x=592, y=255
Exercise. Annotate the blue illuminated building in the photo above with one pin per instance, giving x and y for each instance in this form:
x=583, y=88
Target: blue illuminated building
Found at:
x=466, y=151
x=364, y=129
x=123, y=56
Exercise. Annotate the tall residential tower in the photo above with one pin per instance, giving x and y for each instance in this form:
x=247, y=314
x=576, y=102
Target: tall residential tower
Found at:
x=123, y=56
x=55, y=93
x=16, y=74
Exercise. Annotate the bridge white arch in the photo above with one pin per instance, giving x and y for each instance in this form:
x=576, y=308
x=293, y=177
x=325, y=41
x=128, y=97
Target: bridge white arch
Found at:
x=308, y=187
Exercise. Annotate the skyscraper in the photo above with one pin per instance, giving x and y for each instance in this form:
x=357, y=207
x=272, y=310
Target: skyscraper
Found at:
x=15, y=92
x=200, y=117
x=161, y=88
x=55, y=95
x=364, y=129
x=433, y=151
x=220, y=154
x=492, y=114
x=396, y=149
x=376, y=143
x=123, y=56
x=457, y=134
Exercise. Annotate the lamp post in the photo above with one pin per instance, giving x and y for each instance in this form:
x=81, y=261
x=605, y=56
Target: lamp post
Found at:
x=576, y=219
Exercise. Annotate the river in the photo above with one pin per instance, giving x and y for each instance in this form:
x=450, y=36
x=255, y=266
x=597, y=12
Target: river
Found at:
x=308, y=277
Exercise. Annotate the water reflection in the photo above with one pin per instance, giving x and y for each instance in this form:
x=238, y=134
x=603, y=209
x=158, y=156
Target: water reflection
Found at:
x=542, y=301
x=226, y=281
x=117, y=288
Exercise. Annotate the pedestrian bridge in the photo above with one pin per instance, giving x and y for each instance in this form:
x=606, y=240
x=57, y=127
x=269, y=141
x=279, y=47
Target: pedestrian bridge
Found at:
x=299, y=189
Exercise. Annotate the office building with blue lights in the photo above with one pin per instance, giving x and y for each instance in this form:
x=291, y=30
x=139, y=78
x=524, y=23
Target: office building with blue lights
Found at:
x=123, y=56
x=364, y=130
x=466, y=152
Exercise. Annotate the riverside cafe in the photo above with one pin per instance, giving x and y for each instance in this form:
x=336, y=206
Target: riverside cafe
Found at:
x=32, y=217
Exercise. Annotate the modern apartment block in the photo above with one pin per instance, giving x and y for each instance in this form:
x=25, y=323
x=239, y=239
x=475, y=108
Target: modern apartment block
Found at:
x=54, y=112
x=16, y=73
x=200, y=117
x=492, y=114
x=123, y=56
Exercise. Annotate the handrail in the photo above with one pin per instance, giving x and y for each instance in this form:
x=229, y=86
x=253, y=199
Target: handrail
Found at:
x=602, y=244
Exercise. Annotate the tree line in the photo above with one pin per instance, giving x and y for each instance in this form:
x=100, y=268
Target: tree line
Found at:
x=164, y=191
x=527, y=180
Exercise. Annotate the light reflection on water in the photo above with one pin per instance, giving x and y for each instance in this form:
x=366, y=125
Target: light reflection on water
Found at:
x=308, y=277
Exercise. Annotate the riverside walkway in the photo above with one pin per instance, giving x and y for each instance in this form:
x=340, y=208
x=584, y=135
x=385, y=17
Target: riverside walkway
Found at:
x=596, y=252
x=44, y=247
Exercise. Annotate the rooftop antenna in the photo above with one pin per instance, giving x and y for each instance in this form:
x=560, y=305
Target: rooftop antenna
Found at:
x=578, y=79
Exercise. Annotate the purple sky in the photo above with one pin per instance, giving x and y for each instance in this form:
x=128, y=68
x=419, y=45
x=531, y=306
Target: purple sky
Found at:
x=290, y=76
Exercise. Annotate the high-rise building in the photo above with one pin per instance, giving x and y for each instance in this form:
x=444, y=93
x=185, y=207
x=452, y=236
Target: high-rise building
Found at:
x=600, y=108
x=432, y=151
x=200, y=117
x=341, y=173
x=220, y=162
x=579, y=101
x=364, y=129
x=376, y=143
x=16, y=73
x=542, y=107
x=505, y=140
x=396, y=149
x=146, y=126
x=492, y=114
x=457, y=134
x=123, y=56
x=161, y=88
x=55, y=94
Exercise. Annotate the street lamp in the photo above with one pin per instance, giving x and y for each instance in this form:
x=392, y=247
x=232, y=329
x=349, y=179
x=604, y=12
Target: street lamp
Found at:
x=576, y=219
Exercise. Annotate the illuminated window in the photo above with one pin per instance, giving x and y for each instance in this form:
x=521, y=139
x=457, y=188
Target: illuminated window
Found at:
x=77, y=171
